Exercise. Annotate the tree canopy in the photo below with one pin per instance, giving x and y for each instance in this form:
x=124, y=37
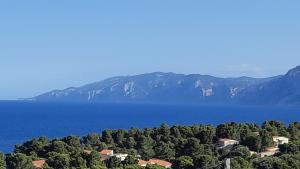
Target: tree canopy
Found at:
x=186, y=147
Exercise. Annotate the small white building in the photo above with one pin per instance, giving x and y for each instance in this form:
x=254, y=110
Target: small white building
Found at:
x=269, y=152
x=256, y=133
x=280, y=140
x=224, y=142
x=253, y=153
x=120, y=156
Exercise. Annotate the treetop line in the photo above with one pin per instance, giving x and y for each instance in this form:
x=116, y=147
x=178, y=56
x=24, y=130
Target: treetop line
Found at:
x=239, y=145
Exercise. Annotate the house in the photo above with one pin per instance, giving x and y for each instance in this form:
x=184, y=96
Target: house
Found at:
x=256, y=133
x=106, y=154
x=143, y=163
x=120, y=156
x=224, y=142
x=276, y=149
x=87, y=151
x=38, y=164
x=270, y=151
x=280, y=140
x=253, y=153
x=159, y=162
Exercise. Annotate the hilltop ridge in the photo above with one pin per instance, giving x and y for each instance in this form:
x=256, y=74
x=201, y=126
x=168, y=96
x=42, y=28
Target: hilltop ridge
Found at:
x=159, y=87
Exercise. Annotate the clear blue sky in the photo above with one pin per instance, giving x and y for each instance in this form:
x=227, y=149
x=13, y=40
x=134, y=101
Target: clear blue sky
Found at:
x=54, y=44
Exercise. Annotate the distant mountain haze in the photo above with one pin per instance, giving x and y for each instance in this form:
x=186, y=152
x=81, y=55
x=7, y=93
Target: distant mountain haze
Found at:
x=280, y=90
x=161, y=87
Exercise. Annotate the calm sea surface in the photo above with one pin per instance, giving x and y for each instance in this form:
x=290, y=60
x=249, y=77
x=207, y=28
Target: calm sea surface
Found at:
x=20, y=121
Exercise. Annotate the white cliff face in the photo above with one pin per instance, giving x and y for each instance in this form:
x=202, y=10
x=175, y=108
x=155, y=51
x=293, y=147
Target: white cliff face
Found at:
x=179, y=82
x=92, y=94
x=113, y=87
x=233, y=92
x=198, y=84
x=128, y=88
x=99, y=91
x=53, y=94
x=207, y=92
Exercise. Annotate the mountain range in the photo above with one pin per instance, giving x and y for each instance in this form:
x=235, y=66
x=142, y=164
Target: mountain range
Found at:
x=161, y=87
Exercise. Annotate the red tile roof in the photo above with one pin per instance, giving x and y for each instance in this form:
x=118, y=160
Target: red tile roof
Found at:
x=272, y=149
x=142, y=163
x=160, y=162
x=107, y=152
x=39, y=163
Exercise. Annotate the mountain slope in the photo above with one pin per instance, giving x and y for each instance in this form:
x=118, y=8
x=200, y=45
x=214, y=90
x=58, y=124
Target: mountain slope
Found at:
x=156, y=87
x=178, y=88
x=282, y=90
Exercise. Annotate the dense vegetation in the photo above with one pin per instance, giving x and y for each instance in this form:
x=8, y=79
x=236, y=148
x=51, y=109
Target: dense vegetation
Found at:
x=187, y=147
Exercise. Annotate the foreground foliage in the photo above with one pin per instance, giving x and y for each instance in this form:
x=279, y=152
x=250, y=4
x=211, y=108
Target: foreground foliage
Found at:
x=187, y=147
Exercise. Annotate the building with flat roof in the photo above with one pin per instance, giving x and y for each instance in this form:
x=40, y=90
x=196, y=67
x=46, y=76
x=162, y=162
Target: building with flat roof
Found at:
x=280, y=140
x=224, y=142
x=270, y=151
x=120, y=156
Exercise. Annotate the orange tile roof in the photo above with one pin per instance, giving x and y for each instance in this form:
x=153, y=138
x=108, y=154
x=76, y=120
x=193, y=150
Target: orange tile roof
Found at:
x=142, y=162
x=106, y=152
x=272, y=149
x=160, y=162
x=39, y=163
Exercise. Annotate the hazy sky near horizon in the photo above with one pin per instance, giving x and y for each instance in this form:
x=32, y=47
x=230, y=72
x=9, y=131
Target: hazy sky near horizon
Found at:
x=51, y=44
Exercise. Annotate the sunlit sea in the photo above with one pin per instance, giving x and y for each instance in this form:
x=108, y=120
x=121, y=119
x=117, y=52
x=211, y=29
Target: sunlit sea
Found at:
x=21, y=121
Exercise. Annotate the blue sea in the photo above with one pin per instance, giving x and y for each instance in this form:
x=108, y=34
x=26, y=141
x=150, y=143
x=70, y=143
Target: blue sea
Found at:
x=21, y=121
